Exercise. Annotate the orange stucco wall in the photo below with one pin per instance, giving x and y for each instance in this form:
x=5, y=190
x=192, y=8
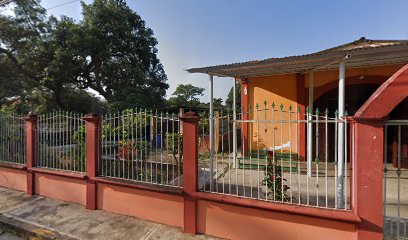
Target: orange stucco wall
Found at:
x=61, y=188
x=157, y=207
x=282, y=89
x=13, y=178
x=234, y=222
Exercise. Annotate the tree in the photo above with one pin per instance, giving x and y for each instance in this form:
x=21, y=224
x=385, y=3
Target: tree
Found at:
x=217, y=104
x=110, y=51
x=229, y=101
x=119, y=55
x=20, y=35
x=11, y=81
x=186, y=95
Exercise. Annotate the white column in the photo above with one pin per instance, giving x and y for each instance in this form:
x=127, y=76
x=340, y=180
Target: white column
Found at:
x=211, y=125
x=340, y=142
x=234, y=124
x=310, y=125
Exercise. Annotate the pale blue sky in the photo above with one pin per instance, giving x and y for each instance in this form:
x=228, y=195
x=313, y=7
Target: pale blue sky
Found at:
x=194, y=33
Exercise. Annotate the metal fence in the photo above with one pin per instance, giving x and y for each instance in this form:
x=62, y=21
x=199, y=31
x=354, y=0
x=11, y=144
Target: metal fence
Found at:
x=61, y=141
x=12, y=139
x=269, y=157
x=396, y=179
x=142, y=146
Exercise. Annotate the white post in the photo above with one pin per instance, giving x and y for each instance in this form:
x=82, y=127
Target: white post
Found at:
x=340, y=142
x=234, y=125
x=211, y=125
x=310, y=125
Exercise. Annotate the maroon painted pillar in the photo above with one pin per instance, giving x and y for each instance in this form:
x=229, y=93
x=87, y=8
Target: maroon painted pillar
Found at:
x=244, y=106
x=367, y=195
x=93, y=141
x=31, y=150
x=190, y=163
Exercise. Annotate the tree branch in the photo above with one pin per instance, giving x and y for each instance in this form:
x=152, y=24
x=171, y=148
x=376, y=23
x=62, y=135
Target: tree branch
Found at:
x=17, y=64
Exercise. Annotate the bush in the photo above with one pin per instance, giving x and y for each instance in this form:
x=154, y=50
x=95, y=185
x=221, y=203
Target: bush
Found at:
x=177, y=138
x=130, y=149
x=274, y=180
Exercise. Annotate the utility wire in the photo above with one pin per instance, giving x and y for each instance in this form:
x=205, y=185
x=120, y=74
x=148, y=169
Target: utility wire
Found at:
x=62, y=4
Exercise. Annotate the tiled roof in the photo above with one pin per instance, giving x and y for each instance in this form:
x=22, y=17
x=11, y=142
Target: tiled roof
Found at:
x=363, y=52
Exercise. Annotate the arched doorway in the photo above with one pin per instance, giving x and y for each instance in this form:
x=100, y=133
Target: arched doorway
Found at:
x=397, y=137
x=356, y=96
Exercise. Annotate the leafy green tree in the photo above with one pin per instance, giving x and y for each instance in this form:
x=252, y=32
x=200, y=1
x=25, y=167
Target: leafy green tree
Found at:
x=11, y=81
x=229, y=100
x=119, y=55
x=110, y=51
x=20, y=35
x=217, y=103
x=186, y=95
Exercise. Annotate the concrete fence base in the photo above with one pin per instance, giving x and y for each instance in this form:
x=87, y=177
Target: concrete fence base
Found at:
x=198, y=212
x=214, y=217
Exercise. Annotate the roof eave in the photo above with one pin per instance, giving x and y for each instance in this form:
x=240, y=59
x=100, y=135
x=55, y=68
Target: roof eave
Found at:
x=299, y=64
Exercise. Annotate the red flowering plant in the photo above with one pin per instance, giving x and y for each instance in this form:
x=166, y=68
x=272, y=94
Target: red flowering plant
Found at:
x=274, y=180
x=129, y=150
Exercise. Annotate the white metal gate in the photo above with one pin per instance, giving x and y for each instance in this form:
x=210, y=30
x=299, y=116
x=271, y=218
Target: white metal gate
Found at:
x=396, y=179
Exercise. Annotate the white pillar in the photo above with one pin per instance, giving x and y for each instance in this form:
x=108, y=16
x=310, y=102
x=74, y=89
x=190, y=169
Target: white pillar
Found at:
x=310, y=125
x=340, y=142
x=211, y=126
x=234, y=124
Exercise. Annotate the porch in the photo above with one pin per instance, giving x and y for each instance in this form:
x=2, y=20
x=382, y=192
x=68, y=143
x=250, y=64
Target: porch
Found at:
x=287, y=105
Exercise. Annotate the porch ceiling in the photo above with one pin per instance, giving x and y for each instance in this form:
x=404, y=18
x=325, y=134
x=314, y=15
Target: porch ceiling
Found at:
x=363, y=53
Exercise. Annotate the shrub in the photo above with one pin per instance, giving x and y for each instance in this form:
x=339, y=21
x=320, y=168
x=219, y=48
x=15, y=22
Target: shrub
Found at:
x=274, y=180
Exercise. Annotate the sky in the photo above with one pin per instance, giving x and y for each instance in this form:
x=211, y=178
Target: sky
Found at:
x=193, y=33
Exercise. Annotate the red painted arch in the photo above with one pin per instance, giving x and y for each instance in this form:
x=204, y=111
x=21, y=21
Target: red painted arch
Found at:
x=387, y=97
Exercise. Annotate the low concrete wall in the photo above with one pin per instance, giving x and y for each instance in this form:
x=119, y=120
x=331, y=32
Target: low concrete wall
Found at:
x=236, y=222
x=60, y=187
x=222, y=219
x=13, y=178
x=158, y=207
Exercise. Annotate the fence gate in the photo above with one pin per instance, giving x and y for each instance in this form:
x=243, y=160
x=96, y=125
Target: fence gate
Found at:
x=396, y=179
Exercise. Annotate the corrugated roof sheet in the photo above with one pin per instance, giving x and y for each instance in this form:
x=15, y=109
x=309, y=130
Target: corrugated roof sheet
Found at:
x=364, y=52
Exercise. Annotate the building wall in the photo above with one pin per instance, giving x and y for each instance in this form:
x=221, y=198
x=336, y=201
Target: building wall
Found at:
x=325, y=77
x=286, y=90
x=280, y=89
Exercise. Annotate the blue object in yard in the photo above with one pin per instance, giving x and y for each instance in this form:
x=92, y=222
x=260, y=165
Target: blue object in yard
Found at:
x=159, y=141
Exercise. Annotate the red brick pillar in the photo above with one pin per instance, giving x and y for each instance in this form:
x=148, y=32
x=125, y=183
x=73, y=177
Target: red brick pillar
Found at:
x=367, y=195
x=93, y=148
x=245, y=116
x=190, y=163
x=31, y=150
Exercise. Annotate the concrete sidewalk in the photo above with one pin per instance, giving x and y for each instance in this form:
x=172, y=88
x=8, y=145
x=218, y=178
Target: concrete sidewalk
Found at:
x=44, y=218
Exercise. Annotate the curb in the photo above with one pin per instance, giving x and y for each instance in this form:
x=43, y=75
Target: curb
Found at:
x=26, y=230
